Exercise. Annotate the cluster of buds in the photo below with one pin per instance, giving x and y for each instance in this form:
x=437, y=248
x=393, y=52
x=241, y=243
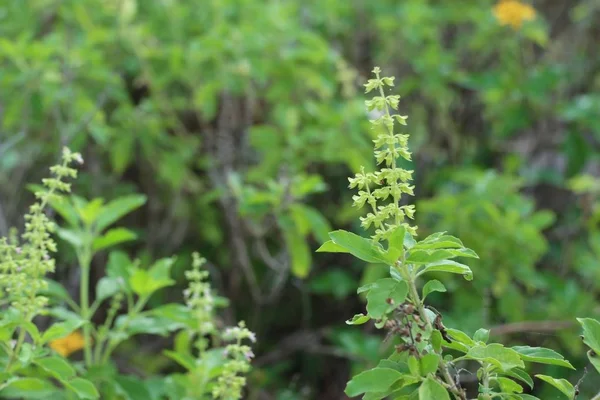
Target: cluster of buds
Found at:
x=408, y=325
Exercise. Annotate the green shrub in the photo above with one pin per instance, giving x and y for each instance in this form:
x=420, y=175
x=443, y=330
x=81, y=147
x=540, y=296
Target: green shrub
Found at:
x=37, y=364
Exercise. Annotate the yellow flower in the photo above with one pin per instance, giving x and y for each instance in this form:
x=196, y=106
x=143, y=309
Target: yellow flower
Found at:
x=68, y=344
x=513, y=13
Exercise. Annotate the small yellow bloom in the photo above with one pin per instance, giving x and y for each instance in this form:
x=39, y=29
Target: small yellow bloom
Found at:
x=69, y=344
x=513, y=13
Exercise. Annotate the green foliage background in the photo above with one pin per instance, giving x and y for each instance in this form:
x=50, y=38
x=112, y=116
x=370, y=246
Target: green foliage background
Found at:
x=240, y=119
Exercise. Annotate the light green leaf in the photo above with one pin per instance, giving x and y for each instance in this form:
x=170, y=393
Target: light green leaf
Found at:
x=185, y=360
x=429, y=363
x=482, y=335
x=460, y=336
x=119, y=266
x=57, y=367
x=330, y=247
x=427, y=256
x=591, y=333
x=27, y=388
x=409, y=241
x=362, y=248
x=496, y=354
x=561, y=384
x=527, y=397
x=594, y=359
x=396, y=243
x=436, y=340
x=55, y=290
x=388, y=294
x=433, y=286
x=509, y=386
x=107, y=287
x=366, y=288
x=373, y=380
x=542, y=356
x=432, y=390
x=32, y=329
x=89, y=211
x=145, y=282
x=116, y=209
x=178, y=315
x=358, y=319
x=418, y=256
x=414, y=366
x=83, y=388
x=449, y=266
x=132, y=388
x=65, y=210
x=71, y=236
x=60, y=329
x=436, y=241
x=113, y=237
x=145, y=324
x=398, y=366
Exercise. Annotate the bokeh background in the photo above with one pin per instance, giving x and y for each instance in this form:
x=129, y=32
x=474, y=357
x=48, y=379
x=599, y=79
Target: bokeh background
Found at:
x=241, y=120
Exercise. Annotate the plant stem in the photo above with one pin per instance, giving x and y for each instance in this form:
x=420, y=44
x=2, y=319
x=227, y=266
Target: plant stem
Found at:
x=485, y=381
x=84, y=302
x=112, y=343
x=416, y=299
x=17, y=349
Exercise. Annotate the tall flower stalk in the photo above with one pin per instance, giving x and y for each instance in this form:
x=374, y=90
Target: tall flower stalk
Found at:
x=23, y=266
x=382, y=190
